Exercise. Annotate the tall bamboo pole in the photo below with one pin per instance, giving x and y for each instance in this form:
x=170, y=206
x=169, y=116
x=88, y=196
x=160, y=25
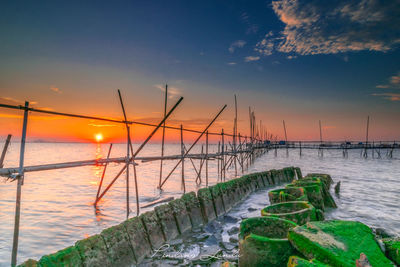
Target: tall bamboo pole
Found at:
x=163, y=134
x=183, y=161
x=20, y=178
x=3, y=154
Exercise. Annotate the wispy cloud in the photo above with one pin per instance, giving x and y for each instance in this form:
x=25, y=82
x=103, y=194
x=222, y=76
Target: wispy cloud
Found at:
x=55, y=89
x=101, y=125
x=235, y=45
x=394, y=82
x=231, y=63
x=389, y=96
x=13, y=101
x=318, y=27
x=173, y=92
x=251, y=58
x=252, y=28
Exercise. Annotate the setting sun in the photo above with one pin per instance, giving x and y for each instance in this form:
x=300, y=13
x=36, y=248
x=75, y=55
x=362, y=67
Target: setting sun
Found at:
x=98, y=137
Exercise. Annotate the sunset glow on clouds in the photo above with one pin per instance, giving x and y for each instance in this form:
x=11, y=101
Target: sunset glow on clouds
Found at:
x=301, y=61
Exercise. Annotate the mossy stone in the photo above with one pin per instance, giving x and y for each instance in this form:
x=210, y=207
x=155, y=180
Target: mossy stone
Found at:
x=118, y=245
x=313, y=191
x=263, y=242
x=193, y=208
x=181, y=215
x=93, y=251
x=337, y=243
x=28, y=263
x=138, y=237
x=299, y=212
x=287, y=194
x=206, y=203
x=153, y=229
x=392, y=246
x=217, y=199
x=167, y=221
x=68, y=257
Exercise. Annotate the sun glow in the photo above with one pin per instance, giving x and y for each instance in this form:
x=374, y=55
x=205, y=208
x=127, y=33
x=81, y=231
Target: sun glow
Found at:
x=98, y=137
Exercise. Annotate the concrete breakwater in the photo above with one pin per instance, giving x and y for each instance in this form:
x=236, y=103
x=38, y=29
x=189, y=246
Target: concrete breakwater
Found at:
x=131, y=241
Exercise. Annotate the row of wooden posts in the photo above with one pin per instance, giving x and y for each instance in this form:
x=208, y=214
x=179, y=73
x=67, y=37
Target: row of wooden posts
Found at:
x=241, y=152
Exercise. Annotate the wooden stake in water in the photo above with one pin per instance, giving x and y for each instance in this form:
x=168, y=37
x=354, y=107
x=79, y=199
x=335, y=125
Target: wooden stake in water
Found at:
x=102, y=175
x=183, y=161
x=284, y=128
x=207, y=158
x=20, y=178
x=3, y=154
x=366, y=140
x=163, y=134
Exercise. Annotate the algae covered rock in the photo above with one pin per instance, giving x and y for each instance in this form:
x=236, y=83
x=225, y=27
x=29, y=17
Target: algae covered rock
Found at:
x=68, y=257
x=313, y=191
x=337, y=243
x=93, y=251
x=263, y=242
x=392, y=246
x=325, y=181
x=295, y=261
x=287, y=194
x=299, y=212
x=28, y=263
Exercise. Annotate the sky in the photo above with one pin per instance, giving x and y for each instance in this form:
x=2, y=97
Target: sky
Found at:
x=293, y=60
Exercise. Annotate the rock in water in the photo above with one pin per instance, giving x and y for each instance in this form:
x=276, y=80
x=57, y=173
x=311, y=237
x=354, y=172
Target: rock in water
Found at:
x=295, y=261
x=392, y=246
x=337, y=243
x=337, y=188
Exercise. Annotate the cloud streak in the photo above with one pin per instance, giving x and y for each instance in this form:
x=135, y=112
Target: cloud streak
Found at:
x=321, y=27
x=235, y=45
x=173, y=92
x=251, y=58
x=389, y=96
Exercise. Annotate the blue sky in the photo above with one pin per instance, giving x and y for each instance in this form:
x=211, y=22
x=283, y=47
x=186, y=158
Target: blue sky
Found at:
x=302, y=61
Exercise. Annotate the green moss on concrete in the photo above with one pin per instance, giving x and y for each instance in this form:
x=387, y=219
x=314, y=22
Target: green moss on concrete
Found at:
x=153, y=229
x=299, y=212
x=194, y=210
x=181, y=215
x=287, y=194
x=217, y=199
x=298, y=173
x=337, y=243
x=68, y=257
x=313, y=191
x=326, y=181
x=263, y=242
x=93, y=251
x=167, y=220
x=118, y=245
x=295, y=261
x=206, y=203
x=392, y=246
x=325, y=178
x=138, y=237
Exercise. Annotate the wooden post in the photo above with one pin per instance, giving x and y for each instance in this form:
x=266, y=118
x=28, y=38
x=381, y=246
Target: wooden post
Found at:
x=366, y=140
x=300, y=148
x=241, y=154
x=320, y=150
x=163, y=134
x=20, y=182
x=234, y=136
x=218, y=160
x=223, y=154
x=207, y=159
x=286, y=143
x=102, y=175
x=3, y=154
x=183, y=161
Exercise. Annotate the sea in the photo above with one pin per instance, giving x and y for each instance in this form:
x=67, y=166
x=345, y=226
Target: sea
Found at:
x=57, y=207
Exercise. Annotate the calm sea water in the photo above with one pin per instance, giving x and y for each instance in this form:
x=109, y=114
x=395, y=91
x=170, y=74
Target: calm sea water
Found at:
x=57, y=206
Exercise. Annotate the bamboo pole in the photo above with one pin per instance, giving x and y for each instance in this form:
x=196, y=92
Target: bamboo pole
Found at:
x=19, y=189
x=3, y=154
x=207, y=159
x=102, y=175
x=195, y=142
x=183, y=161
x=223, y=155
x=163, y=134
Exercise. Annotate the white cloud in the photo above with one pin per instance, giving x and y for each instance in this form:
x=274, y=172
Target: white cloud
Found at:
x=323, y=27
x=55, y=89
x=173, y=92
x=389, y=96
x=251, y=58
x=231, y=63
x=394, y=82
x=236, y=44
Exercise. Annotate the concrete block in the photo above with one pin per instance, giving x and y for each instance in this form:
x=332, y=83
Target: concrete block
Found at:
x=181, y=215
x=193, y=209
x=138, y=237
x=260, y=180
x=68, y=257
x=218, y=200
x=206, y=204
x=227, y=196
x=153, y=229
x=118, y=245
x=167, y=221
x=270, y=178
x=298, y=173
x=29, y=263
x=93, y=251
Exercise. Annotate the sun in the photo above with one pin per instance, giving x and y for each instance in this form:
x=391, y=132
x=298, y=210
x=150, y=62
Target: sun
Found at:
x=98, y=137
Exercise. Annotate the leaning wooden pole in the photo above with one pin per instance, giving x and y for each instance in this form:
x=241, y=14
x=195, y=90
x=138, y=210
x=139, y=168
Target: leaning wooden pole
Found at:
x=102, y=175
x=183, y=161
x=366, y=139
x=163, y=134
x=20, y=178
x=207, y=159
x=3, y=154
x=284, y=128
